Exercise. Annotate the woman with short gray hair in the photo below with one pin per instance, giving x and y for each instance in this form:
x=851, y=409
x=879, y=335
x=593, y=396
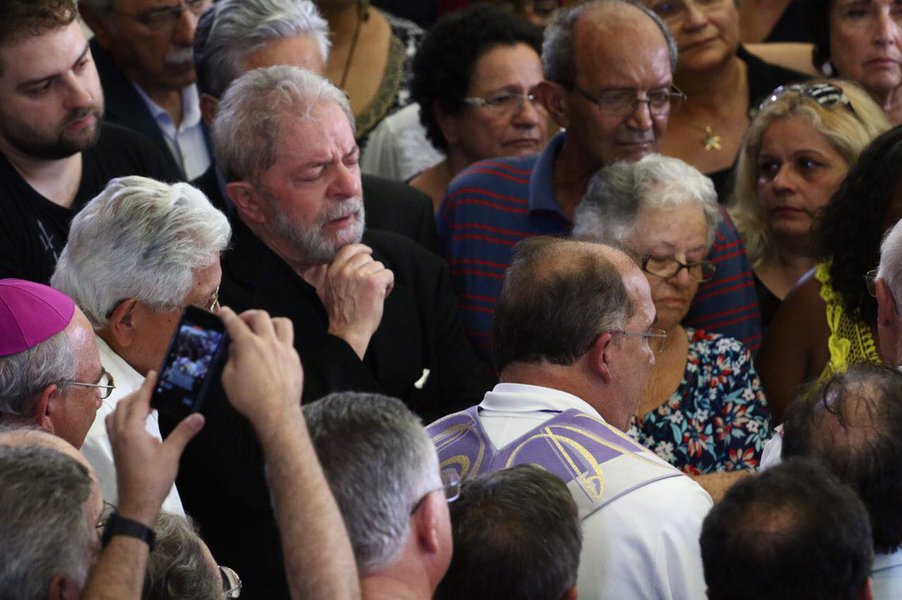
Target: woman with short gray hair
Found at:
x=703, y=409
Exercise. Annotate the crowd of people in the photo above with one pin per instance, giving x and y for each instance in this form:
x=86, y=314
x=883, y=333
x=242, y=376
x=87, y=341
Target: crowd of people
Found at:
x=611, y=314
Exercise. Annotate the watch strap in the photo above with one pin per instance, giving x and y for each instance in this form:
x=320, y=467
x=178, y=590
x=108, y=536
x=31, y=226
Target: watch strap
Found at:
x=116, y=524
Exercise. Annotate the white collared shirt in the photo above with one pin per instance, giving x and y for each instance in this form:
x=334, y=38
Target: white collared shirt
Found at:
x=187, y=142
x=642, y=545
x=97, y=447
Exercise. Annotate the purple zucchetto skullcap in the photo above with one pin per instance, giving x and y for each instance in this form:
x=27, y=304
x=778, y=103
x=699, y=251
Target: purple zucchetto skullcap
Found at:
x=30, y=313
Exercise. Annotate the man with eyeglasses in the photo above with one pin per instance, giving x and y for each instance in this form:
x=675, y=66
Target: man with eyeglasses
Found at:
x=50, y=370
x=55, y=153
x=137, y=255
x=575, y=341
x=384, y=474
x=144, y=54
x=608, y=67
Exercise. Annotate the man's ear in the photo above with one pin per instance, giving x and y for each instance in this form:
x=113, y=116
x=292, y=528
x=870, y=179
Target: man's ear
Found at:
x=598, y=357
x=209, y=106
x=44, y=407
x=556, y=101
x=121, y=322
x=427, y=525
x=571, y=594
x=247, y=200
x=62, y=588
x=866, y=593
x=99, y=25
x=447, y=123
x=886, y=306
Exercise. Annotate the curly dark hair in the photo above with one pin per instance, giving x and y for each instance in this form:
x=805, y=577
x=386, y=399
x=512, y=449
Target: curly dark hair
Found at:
x=817, y=18
x=447, y=56
x=23, y=18
x=852, y=224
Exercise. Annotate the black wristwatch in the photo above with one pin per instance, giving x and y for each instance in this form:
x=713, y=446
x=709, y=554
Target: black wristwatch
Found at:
x=116, y=524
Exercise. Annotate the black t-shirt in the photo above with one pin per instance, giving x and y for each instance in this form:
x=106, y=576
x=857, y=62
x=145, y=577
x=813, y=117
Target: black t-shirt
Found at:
x=33, y=230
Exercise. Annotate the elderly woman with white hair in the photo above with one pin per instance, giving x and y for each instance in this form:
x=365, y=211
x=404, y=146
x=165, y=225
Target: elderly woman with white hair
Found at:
x=703, y=409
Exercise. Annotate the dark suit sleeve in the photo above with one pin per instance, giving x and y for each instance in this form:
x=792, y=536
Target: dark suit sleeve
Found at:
x=462, y=378
x=334, y=367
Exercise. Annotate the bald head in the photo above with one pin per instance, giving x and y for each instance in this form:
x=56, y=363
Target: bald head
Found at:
x=557, y=295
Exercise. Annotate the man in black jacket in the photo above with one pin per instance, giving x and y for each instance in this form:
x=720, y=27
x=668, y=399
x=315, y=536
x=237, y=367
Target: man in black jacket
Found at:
x=372, y=311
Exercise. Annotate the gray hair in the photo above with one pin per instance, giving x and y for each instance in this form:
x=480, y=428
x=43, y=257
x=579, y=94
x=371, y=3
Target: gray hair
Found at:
x=24, y=374
x=891, y=261
x=178, y=567
x=233, y=29
x=619, y=192
x=139, y=238
x=559, y=47
x=44, y=529
x=379, y=462
x=251, y=114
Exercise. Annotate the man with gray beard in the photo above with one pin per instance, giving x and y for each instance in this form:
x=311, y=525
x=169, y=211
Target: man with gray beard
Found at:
x=373, y=311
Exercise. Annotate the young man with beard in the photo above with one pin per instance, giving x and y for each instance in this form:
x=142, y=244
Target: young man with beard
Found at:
x=54, y=153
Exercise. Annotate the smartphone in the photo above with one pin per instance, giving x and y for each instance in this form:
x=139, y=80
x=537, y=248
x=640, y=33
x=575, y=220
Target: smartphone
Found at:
x=194, y=357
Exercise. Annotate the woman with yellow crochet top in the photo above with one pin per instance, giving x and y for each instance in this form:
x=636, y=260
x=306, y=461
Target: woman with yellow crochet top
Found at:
x=828, y=321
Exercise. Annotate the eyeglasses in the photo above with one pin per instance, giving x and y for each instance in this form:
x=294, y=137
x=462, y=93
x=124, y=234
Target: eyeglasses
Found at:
x=620, y=103
x=654, y=337
x=231, y=583
x=212, y=302
x=105, y=388
x=166, y=17
x=450, y=485
x=668, y=267
x=504, y=102
x=825, y=94
x=870, y=281
x=675, y=10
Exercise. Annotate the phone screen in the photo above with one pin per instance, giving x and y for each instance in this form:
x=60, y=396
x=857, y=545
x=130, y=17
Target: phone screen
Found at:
x=195, y=349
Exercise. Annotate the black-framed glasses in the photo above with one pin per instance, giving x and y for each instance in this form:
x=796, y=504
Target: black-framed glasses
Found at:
x=165, y=17
x=450, y=485
x=668, y=266
x=655, y=337
x=106, y=385
x=825, y=94
x=231, y=583
x=620, y=103
x=502, y=102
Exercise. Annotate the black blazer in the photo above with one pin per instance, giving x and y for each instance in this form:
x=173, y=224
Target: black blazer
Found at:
x=221, y=478
x=125, y=107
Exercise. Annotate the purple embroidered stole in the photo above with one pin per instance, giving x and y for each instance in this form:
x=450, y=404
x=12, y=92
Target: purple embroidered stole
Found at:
x=596, y=461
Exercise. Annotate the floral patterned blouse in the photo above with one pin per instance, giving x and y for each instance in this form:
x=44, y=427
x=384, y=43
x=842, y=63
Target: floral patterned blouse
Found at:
x=717, y=419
